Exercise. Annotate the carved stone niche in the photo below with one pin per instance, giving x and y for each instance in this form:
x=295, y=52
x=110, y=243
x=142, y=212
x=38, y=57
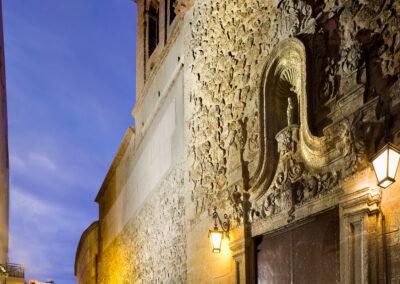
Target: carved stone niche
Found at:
x=300, y=175
x=293, y=162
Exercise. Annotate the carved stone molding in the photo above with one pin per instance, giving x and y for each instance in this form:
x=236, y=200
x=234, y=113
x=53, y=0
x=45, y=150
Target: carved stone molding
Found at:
x=241, y=245
x=295, y=182
x=295, y=166
x=284, y=77
x=290, y=169
x=360, y=237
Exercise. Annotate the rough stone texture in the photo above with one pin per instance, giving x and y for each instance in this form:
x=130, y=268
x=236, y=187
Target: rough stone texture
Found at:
x=285, y=101
x=352, y=67
x=228, y=47
x=354, y=44
x=152, y=246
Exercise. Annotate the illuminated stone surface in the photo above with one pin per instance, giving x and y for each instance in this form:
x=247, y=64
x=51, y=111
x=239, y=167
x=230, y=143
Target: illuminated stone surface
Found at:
x=213, y=128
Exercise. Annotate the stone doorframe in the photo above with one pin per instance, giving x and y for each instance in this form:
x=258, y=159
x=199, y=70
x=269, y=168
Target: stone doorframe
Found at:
x=300, y=175
x=360, y=236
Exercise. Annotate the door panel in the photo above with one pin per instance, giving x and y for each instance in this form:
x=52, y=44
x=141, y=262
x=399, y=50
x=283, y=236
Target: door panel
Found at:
x=307, y=253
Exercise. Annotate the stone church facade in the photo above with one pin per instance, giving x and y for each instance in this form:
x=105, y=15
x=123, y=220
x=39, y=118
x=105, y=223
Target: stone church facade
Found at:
x=270, y=112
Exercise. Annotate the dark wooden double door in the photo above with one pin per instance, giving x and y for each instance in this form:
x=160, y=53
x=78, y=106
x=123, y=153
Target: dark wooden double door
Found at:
x=306, y=253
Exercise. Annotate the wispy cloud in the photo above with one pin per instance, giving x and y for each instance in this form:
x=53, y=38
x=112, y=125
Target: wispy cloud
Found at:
x=40, y=221
x=43, y=161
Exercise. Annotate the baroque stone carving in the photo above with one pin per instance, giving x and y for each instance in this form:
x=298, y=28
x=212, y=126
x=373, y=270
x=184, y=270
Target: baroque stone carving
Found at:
x=307, y=166
x=294, y=182
x=225, y=61
x=352, y=58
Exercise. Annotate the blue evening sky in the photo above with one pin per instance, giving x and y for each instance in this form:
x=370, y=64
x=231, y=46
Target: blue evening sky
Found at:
x=70, y=67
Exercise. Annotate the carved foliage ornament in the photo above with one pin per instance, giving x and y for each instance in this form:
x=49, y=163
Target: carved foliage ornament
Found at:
x=295, y=166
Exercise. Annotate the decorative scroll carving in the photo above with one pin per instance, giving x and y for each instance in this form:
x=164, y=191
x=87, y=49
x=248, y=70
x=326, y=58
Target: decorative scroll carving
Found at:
x=284, y=87
x=352, y=58
x=351, y=146
x=308, y=166
x=294, y=182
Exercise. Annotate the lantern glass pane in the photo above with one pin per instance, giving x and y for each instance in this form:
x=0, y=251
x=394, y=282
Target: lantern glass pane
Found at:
x=393, y=163
x=385, y=183
x=216, y=240
x=380, y=164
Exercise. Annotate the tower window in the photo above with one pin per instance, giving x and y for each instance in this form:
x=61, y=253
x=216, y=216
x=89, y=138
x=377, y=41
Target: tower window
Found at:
x=153, y=26
x=171, y=4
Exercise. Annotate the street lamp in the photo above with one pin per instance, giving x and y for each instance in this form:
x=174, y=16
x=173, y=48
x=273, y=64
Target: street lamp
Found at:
x=216, y=235
x=385, y=164
x=3, y=273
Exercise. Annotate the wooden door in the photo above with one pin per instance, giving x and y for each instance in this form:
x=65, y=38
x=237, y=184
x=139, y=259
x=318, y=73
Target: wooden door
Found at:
x=307, y=253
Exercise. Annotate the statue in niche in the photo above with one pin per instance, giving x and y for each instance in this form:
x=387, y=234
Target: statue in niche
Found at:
x=290, y=112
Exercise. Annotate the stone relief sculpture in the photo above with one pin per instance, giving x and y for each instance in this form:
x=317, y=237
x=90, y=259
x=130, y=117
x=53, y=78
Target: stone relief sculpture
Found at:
x=289, y=112
x=348, y=55
x=296, y=166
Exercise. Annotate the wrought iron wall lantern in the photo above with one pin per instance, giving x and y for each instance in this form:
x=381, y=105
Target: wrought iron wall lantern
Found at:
x=216, y=235
x=386, y=160
x=3, y=272
x=385, y=163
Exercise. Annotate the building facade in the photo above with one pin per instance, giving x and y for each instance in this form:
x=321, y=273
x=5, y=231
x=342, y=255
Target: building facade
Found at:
x=86, y=256
x=270, y=112
x=4, y=166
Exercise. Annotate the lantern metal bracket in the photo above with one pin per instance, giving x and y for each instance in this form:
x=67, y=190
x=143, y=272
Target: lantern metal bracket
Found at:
x=225, y=224
x=3, y=272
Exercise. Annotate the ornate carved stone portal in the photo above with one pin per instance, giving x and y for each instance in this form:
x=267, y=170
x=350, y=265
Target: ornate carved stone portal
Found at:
x=300, y=175
x=293, y=162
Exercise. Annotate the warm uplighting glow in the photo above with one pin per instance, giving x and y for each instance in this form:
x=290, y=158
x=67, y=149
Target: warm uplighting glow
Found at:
x=216, y=240
x=385, y=164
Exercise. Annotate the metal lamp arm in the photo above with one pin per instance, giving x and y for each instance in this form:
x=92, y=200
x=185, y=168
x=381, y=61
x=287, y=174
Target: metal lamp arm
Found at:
x=225, y=225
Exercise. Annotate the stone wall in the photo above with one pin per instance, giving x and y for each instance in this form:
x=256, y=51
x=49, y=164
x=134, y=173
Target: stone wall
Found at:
x=352, y=68
x=353, y=45
x=142, y=204
x=86, y=256
x=217, y=77
x=152, y=246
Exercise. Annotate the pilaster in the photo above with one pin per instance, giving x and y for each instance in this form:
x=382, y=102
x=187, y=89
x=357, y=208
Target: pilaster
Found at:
x=359, y=238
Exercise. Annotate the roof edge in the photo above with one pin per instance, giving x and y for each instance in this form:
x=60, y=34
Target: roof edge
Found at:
x=120, y=153
x=92, y=226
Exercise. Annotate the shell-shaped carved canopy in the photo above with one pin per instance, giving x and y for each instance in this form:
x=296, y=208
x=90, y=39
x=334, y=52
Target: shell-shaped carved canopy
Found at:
x=284, y=77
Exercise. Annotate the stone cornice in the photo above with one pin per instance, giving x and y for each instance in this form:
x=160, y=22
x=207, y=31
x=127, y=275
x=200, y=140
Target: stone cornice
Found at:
x=120, y=153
